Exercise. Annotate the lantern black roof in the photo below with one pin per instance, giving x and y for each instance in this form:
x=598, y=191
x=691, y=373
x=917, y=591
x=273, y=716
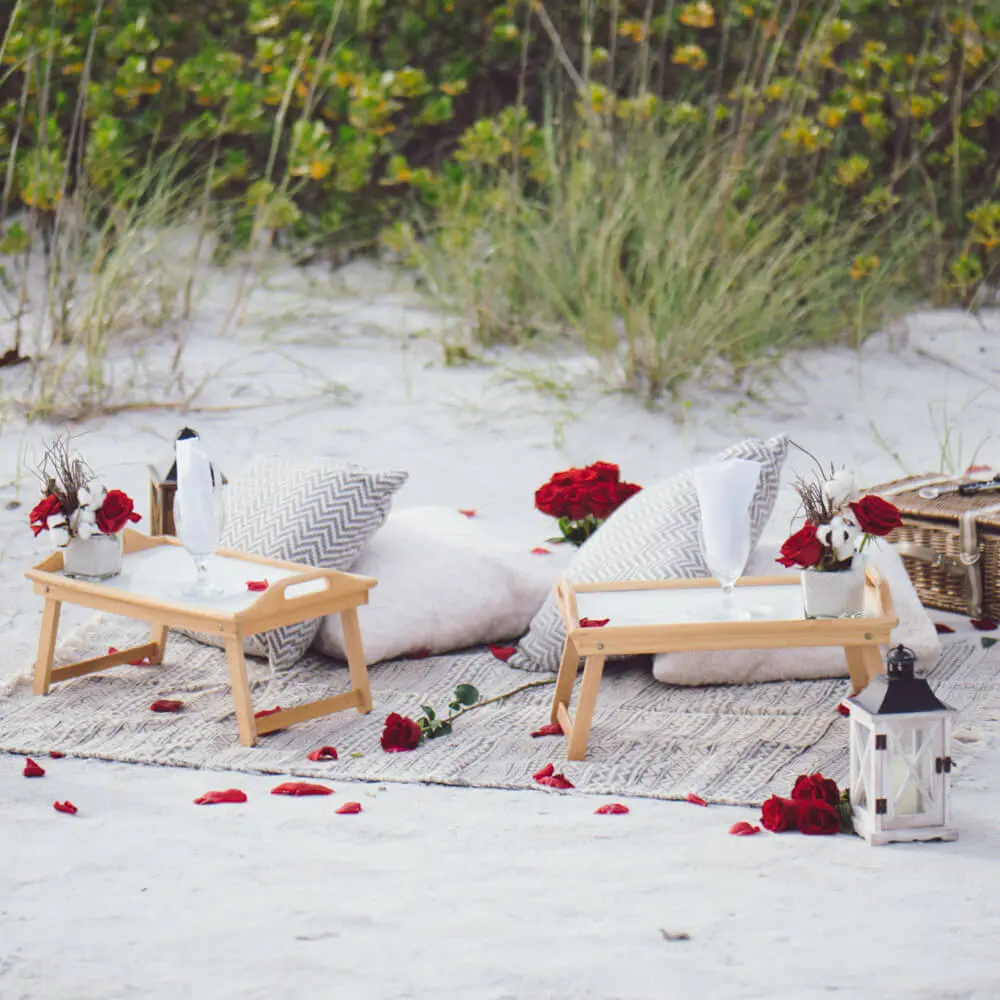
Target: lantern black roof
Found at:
x=898, y=690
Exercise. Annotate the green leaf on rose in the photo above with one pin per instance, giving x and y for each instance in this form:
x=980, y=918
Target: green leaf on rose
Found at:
x=466, y=694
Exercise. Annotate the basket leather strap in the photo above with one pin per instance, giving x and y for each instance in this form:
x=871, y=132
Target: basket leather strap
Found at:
x=912, y=485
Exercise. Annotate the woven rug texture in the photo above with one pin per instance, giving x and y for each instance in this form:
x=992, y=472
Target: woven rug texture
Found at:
x=729, y=744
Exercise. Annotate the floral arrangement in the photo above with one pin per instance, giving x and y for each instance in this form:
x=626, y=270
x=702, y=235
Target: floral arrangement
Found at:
x=74, y=504
x=816, y=807
x=836, y=526
x=582, y=499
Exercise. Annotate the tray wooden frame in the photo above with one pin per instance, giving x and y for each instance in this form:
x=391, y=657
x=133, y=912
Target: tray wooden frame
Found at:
x=859, y=637
x=342, y=594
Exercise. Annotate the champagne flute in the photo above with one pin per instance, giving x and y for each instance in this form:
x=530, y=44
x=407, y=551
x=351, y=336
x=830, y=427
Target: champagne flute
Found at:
x=199, y=512
x=725, y=491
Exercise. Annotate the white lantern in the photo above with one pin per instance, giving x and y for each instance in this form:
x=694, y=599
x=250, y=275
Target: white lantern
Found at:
x=900, y=763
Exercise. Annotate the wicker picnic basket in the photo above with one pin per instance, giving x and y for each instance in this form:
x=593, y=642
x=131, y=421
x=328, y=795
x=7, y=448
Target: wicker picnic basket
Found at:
x=950, y=545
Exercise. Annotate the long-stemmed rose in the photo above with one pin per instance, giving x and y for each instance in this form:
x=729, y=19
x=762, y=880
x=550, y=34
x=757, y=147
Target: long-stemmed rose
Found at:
x=582, y=499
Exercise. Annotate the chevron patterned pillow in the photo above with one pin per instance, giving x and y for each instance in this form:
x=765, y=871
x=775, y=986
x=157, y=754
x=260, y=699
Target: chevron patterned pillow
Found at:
x=319, y=512
x=652, y=536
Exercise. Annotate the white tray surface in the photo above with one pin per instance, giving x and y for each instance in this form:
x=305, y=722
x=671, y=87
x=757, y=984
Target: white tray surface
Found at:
x=684, y=606
x=166, y=572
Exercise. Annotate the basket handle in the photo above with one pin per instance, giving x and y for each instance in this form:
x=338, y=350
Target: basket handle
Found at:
x=952, y=565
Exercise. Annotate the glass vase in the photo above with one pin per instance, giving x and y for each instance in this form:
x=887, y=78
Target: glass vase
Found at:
x=839, y=594
x=96, y=558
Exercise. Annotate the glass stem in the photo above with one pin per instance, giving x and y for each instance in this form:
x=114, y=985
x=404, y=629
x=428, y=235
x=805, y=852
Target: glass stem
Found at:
x=728, y=602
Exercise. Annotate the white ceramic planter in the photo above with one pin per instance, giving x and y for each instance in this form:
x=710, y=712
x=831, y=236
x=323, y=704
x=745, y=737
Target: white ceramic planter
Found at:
x=96, y=558
x=834, y=595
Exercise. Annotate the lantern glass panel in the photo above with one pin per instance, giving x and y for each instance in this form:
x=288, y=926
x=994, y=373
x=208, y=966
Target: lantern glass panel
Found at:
x=861, y=759
x=913, y=781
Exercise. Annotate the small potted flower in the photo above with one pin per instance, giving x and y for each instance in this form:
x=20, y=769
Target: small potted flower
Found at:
x=828, y=546
x=582, y=499
x=84, y=520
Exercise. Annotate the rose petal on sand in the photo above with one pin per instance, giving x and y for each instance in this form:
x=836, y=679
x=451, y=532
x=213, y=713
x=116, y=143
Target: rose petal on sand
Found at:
x=743, y=829
x=593, y=622
x=545, y=772
x=257, y=585
x=695, y=800
x=56, y=754
x=65, y=807
x=973, y=469
x=539, y=551
x=842, y=709
x=324, y=753
x=467, y=511
x=558, y=780
x=32, y=770
x=226, y=795
x=502, y=652
x=349, y=809
x=549, y=729
x=611, y=809
x=983, y=624
x=301, y=788
x=166, y=705
x=942, y=629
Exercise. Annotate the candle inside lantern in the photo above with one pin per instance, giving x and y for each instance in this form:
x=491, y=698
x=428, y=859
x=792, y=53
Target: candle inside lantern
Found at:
x=905, y=793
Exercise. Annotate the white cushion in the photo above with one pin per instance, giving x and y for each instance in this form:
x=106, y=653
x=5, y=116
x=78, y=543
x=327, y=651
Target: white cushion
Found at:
x=752, y=666
x=444, y=583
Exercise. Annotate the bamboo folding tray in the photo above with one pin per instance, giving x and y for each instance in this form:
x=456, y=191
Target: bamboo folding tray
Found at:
x=662, y=616
x=155, y=572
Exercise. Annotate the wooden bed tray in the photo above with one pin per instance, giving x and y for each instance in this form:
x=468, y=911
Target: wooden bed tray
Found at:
x=655, y=616
x=149, y=587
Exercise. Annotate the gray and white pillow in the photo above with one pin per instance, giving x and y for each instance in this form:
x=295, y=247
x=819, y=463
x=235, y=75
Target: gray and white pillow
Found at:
x=314, y=511
x=652, y=536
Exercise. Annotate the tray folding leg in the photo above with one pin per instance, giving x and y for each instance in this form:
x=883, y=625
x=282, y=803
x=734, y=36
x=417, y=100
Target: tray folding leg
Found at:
x=356, y=659
x=577, y=731
x=863, y=663
x=47, y=645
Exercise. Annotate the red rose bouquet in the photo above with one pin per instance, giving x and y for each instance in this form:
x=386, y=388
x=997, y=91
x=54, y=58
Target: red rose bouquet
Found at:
x=74, y=504
x=582, y=499
x=817, y=807
x=836, y=527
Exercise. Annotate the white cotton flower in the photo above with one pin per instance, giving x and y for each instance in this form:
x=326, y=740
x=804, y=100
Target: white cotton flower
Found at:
x=838, y=489
x=83, y=496
x=60, y=536
x=85, y=529
x=840, y=536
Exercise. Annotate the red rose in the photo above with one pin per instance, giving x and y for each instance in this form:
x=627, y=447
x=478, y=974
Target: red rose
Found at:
x=778, y=814
x=565, y=478
x=577, y=505
x=585, y=477
x=606, y=472
x=876, y=516
x=400, y=733
x=603, y=498
x=39, y=516
x=802, y=549
x=818, y=818
x=549, y=499
x=625, y=491
x=116, y=511
x=816, y=788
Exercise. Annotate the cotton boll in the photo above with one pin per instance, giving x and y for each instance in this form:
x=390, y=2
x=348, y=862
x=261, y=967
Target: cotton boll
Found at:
x=839, y=536
x=83, y=496
x=838, y=489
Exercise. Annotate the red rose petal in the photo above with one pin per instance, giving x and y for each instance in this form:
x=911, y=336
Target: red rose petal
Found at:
x=32, y=770
x=842, y=709
x=549, y=729
x=324, y=753
x=743, y=829
x=556, y=781
x=502, y=652
x=301, y=788
x=695, y=800
x=983, y=624
x=973, y=469
x=468, y=512
x=349, y=809
x=227, y=795
x=417, y=654
x=112, y=650
x=539, y=551
x=65, y=807
x=166, y=705
x=257, y=585
x=267, y=711
x=593, y=622
x=611, y=809
x=545, y=772
x=56, y=754
x=943, y=629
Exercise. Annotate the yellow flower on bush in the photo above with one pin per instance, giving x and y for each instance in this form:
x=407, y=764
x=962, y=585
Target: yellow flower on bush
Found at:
x=852, y=170
x=635, y=31
x=803, y=133
x=830, y=116
x=698, y=15
x=921, y=107
x=776, y=91
x=864, y=266
x=692, y=56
